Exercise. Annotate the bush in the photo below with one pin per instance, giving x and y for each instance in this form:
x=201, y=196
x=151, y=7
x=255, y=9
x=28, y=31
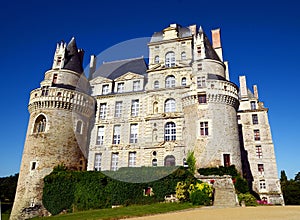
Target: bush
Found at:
x=219, y=171
x=199, y=197
x=241, y=185
x=249, y=199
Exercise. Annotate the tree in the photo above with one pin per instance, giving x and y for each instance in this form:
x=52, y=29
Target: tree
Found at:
x=283, y=177
x=191, y=161
x=297, y=177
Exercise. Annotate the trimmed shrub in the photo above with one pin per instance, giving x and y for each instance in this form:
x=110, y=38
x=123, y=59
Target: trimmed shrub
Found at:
x=199, y=197
x=249, y=199
x=241, y=185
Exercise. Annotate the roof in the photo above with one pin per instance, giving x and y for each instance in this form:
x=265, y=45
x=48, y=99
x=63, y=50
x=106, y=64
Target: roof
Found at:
x=210, y=52
x=73, y=57
x=115, y=69
x=182, y=32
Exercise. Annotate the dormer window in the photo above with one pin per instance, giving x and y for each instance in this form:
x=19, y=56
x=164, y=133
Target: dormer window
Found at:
x=136, y=85
x=58, y=62
x=105, y=89
x=120, y=87
x=170, y=59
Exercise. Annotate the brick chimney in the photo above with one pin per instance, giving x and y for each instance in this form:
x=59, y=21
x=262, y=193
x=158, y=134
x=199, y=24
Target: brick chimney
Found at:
x=243, y=87
x=216, y=42
x=255, y=91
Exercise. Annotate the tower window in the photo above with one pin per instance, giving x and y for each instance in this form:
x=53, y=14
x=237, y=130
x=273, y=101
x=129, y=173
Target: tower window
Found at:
x=199, y=50
x=253, y=105
x=201, y=82
x=183, y=81
x=256, y=135
x=79, y=127
x=170, y=131
x=170, y=105
x=204, y=128
x=183, y=55
x=156, y=84
x=259, y=153
x=260, y=169
x=33, y=165
x=154, y=162
x=202, y=98
x=170, y=81
x=54, y=78
x=262, y=184
x=226, y=158
x=255, y=119
x=45, y=90
x=170, y=59
x=40, y=124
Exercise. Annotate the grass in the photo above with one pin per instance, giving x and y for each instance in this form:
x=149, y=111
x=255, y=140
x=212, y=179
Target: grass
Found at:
x=122, y=212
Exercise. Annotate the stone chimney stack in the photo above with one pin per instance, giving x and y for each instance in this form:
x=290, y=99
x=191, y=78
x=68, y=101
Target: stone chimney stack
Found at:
x=216, y=41
x=93, y=63
x=243, y=87
x=255, y=91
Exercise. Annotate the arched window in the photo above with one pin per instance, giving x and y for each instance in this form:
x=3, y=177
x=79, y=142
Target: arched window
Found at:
x=169, y=161
x=40, y=124
x=183, y=55
x=156, y=84
x=156, y=59
x=183, y=81
x=170, y=81
x=170, y=105
x=170, y=59
x=154, y=162
x=170, y=131
x=79, y=127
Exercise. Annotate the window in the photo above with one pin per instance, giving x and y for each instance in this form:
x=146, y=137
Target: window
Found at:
x=154, y=162
x=45, y=90
x=133, y=133
x=253, y=105
x=58, y=62
x=201, y=82
x=169, y=161
x=105, y=89
x=117, y=134
x=262, y=184
x=170, y=131
x=204, y=128
x=156, y=59
x=260, y=169
x=79, y=127
x=136, y=85
x=114, y=161
x=120, y=87
x=239, y=117
x=40, y=124
x=134, y=107
x=156, y=84
x=118, y=109
x=100, y=136
x=170, y=81
x=170, y=105
x=183, y=81
x=258, y=151
x=97, y=162
x=33, y=165
x=54, y=80
x=132, y=159
x=255, y=119
x=226, y=158
x=170, y=59
x=256, y=135
x=102, y=110
x=202, y=98
x=199, y=50
x=199, y=66
x=183, y=56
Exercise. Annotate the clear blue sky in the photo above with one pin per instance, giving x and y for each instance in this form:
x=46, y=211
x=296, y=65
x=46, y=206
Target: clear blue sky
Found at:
x=259, y=38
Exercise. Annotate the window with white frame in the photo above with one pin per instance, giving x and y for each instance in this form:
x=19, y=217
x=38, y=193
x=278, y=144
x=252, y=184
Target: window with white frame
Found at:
x=201, y=81
x=97, y=162
x=204, y=128
x=262, y=184
x=134, y=107
x=256, y=135
x=259, y=153
x=255, y=119
x=170, y=59
x=170, y=105
x=100, y=136
x=183, y=81
x=117, y=134
x=133, y=133
x=183, y=55
x=136, y=85
x=156, y=59
x=120, y=87
x=118, y=109
x=170, y=131
x=156, y=84
x=103, y=109
x=114, y=161
x=132, y=159
x=105, y=89
x=170, y=81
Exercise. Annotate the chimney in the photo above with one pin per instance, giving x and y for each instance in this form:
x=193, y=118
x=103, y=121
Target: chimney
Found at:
x=93, y=62
x=243, y=87
x=216, y=42
x=193, y=29
x=255, y=91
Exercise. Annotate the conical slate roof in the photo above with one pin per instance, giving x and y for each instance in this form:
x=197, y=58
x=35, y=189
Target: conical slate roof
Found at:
x=210, y=52
x=73, y=57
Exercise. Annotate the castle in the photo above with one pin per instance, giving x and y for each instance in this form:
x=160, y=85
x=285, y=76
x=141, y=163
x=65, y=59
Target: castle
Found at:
x=130, y=114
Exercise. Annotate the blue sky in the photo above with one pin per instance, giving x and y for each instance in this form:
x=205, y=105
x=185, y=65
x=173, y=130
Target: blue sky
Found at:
x=259, y=39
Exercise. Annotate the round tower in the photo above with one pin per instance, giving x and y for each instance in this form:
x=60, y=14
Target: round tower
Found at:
x=60, y=112
x=210, y=108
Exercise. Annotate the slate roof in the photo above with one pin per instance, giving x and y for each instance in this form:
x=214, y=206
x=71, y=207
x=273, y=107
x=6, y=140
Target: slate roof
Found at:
x=210, y=52
x=73, y=57
x=115, y=69
x=182, y=32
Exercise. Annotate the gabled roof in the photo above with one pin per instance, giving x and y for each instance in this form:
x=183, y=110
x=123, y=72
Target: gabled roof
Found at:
x=115, y=69
x=100, y=79
x=73, y=57
x=182, y=32
x=210, y=52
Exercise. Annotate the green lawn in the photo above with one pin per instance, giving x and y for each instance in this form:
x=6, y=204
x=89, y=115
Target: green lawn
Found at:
x=122, y=212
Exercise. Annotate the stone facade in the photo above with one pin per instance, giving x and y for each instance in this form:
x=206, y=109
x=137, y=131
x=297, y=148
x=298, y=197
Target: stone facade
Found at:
x=146, y=115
